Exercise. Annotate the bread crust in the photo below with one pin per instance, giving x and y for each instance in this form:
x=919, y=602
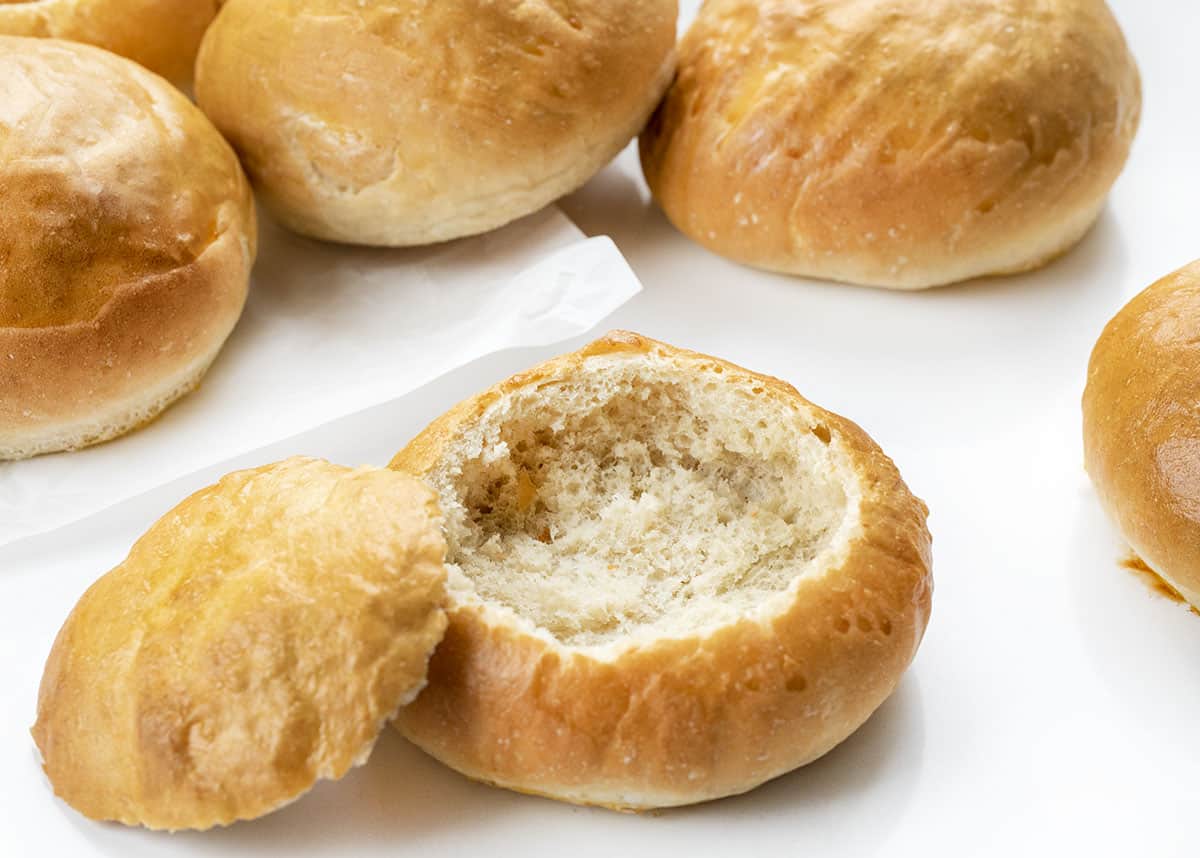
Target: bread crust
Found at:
x=903, y=144
x=411, y=122
x=162, y=35
x=684, y=720
x=255, y=640
x=128, y=234
x=1140, y=433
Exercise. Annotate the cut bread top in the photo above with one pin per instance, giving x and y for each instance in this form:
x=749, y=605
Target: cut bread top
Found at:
x=255, y=640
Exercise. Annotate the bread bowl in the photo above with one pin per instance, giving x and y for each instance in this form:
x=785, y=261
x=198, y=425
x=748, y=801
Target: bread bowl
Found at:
x=127, y=234
x=255, y=640
x=162, y=35
x=1140, y=429
x=670, y=579
x=895, y=143
x=409, y=122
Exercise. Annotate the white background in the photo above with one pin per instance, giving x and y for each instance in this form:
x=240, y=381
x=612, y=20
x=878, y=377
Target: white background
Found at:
x=1054, y=705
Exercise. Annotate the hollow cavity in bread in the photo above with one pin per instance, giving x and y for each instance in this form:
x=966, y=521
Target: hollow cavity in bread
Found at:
x=631, y=502
x=673, y=579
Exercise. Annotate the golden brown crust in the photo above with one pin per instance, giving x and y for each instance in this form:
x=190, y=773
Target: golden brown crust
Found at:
x=162, y=35
x=127, y=236
x=410, y=122
x=1140, y=432
x=257, y=638
x=680, y=721
x=906, y=144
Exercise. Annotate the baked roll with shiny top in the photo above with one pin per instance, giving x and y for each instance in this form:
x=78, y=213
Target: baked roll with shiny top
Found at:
x=405, y=122
x=895, y=143
x=1141, y=426
x=127, y=233
x=162, y=35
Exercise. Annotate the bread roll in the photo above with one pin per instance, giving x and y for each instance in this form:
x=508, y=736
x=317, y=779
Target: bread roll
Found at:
x=671, y=579
x=1141, y=431
x=162, y=35
x=126, y=239
x=895, y=143
x=407, y=122
x=255, y=640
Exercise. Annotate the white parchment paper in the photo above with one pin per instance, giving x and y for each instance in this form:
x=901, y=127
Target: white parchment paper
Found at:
x=331, y=330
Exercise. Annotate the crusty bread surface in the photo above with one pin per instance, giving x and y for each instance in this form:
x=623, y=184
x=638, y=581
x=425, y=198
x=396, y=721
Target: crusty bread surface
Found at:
x=162, y=35
x=411, y=122
x=894, y=143
x=671, y=579
x=255, y=640
x=1140, y=429
x=127, y=233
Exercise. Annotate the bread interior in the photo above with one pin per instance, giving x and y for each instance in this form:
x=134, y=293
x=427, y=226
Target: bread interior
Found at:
x=637, y=499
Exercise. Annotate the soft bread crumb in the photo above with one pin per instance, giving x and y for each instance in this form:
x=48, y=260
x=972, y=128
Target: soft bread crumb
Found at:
x=638, y=500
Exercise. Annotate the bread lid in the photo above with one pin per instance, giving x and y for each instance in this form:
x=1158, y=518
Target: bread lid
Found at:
x=256, y=640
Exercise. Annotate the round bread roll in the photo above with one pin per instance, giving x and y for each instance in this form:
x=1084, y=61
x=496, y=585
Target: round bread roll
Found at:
x=894, y=143
x=408, y=122
x=671, y=579
x=162, y=35
x=1141, y=427
x=126, y=238
x=255, y=640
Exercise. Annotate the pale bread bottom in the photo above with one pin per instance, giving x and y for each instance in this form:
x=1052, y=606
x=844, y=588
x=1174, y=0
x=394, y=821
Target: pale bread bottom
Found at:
x=116, y=419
